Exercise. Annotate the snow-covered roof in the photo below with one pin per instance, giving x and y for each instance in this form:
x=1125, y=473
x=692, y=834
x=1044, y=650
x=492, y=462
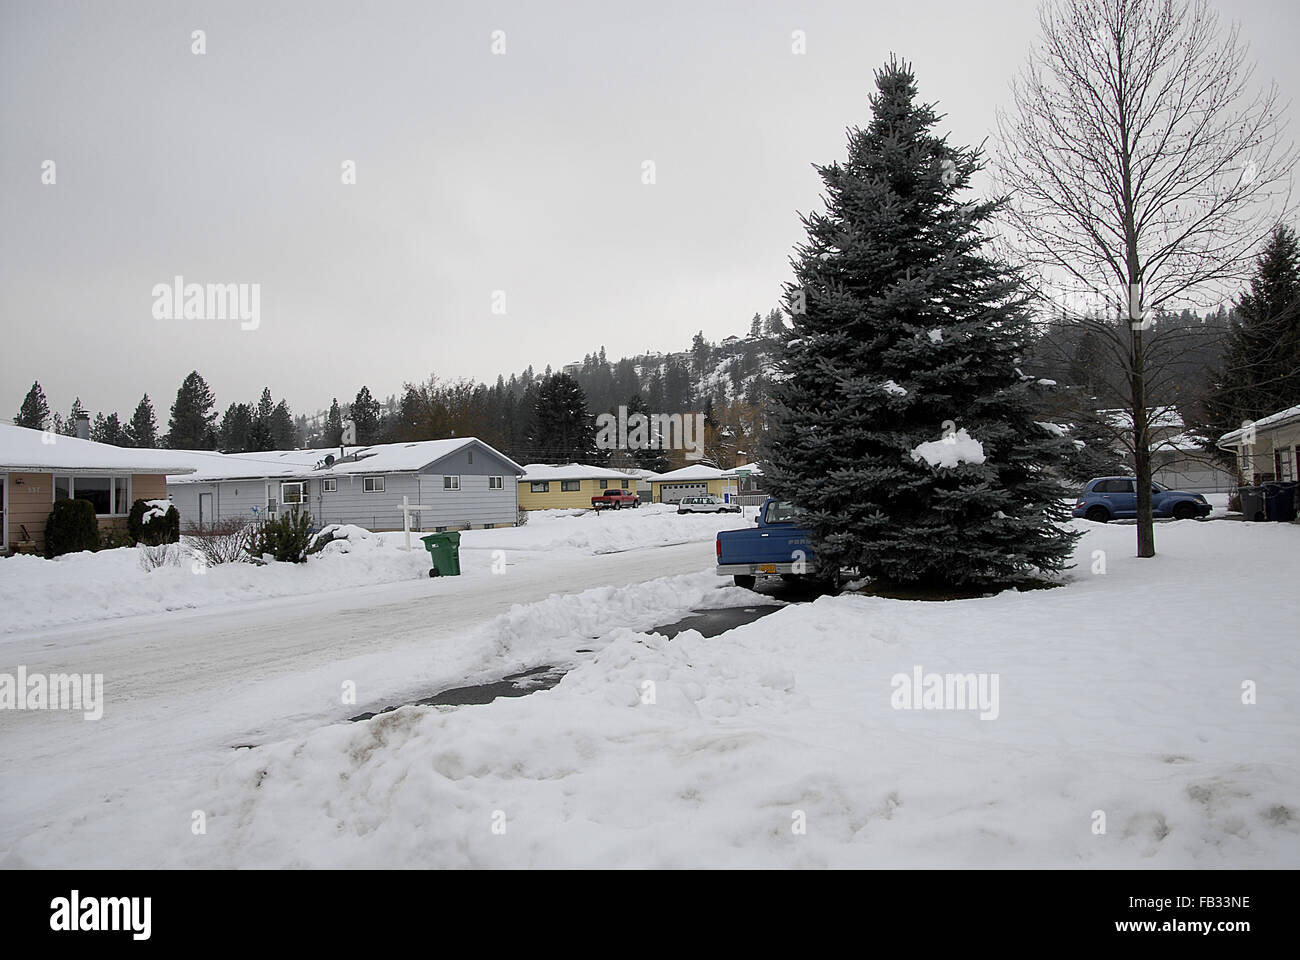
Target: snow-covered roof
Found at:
x=41, y=451
x=753, y=469
x=1158, y=418
x=374, y=459
x=639, y=473
x=696, y=471
x=1183, y=441
x=539, y=472
x=1279, y=419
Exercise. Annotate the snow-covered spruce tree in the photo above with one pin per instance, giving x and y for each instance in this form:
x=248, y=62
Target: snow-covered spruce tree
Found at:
x=905, y=332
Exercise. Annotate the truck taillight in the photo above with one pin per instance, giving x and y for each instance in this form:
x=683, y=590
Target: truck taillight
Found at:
x=717, y=546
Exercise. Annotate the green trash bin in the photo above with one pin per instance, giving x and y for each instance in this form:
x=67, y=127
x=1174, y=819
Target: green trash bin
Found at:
x=444, y=549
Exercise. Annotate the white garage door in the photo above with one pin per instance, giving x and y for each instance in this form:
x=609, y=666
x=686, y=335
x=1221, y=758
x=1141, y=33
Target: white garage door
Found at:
x=672, y=492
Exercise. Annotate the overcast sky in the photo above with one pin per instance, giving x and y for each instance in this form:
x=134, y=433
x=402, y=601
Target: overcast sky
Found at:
x=475, y=172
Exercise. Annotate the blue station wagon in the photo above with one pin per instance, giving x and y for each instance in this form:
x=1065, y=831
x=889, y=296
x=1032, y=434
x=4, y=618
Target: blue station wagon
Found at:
x=1115, y=498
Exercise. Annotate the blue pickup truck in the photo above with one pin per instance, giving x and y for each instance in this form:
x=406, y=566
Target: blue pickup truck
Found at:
x=777, y=545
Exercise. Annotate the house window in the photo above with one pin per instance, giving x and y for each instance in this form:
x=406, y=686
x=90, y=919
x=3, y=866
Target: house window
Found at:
x=540, y=486
x=1285, y=464
x=471, y=456
x=111, y=496
x=623, y=484
x=570, y=486
x=372, y=484
x=496, y=483
x=291, y=494
x=451, y=483
x=329, y=486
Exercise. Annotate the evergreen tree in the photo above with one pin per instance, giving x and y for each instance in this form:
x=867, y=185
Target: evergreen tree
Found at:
x=903, y=330
x=77, y=411
x=192, y=425
x=142, y=431
x=283, y=434
x=333, y=425
x=756, y=327
x=260, y=439
x=563, y=430
x=365, y=414
x=35, y=411
x=107, y=430
x=1260, y=369
x=652, y=456
x=235, y=430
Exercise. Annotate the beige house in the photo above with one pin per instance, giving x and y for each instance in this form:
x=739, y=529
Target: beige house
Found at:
x=1267, y=449
x=38, y=467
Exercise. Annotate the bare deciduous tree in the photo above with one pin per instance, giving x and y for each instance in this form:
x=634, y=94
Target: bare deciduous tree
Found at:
x=1143, y=172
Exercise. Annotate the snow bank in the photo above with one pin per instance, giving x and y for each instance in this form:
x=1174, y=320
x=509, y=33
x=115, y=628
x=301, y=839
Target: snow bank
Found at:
x=111, y=583
x=953, y=450
x=1121, y=695
x=607, y=531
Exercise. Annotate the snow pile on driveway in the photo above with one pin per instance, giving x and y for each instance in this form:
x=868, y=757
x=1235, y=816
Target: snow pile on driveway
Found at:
x=1141, y=721
x=111, y=583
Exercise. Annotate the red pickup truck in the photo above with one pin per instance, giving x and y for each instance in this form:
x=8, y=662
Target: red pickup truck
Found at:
x=618, y=499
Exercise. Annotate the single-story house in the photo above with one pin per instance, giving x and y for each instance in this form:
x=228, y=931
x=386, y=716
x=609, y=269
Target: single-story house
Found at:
x=643, y=478
x=1178, y=460
x=465, y=483
x=1268, y=449
x=567, y=486
x=38, y=467
x=697, y=480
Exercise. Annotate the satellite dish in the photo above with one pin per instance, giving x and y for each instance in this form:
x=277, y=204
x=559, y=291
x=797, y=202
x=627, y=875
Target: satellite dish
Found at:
x=329, y=459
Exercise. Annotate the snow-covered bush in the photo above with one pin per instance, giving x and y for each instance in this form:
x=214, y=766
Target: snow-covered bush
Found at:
x=343, y=537
x=154, y=522
x=222, y=541
x=153, y=556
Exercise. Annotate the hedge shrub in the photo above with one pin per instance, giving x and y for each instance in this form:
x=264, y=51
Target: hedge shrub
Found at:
x=71, y=527
x=157, y=530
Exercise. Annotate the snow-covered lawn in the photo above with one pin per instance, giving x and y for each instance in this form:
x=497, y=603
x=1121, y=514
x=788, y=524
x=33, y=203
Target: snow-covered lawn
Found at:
x=1120, y=706
x=36, y=593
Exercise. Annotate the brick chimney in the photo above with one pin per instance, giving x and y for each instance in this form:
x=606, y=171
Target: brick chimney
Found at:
x=83, y=426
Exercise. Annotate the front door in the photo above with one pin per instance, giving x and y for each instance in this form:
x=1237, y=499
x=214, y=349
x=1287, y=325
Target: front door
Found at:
x=205, y=508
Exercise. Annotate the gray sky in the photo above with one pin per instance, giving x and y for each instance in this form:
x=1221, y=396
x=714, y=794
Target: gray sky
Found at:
x=476, y=172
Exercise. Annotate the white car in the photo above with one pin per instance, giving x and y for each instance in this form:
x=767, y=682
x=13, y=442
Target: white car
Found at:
x=706, y=505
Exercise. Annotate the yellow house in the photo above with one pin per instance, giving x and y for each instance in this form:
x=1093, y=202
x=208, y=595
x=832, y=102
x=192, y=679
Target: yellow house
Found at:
x=549, y=487
x=696, y=480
